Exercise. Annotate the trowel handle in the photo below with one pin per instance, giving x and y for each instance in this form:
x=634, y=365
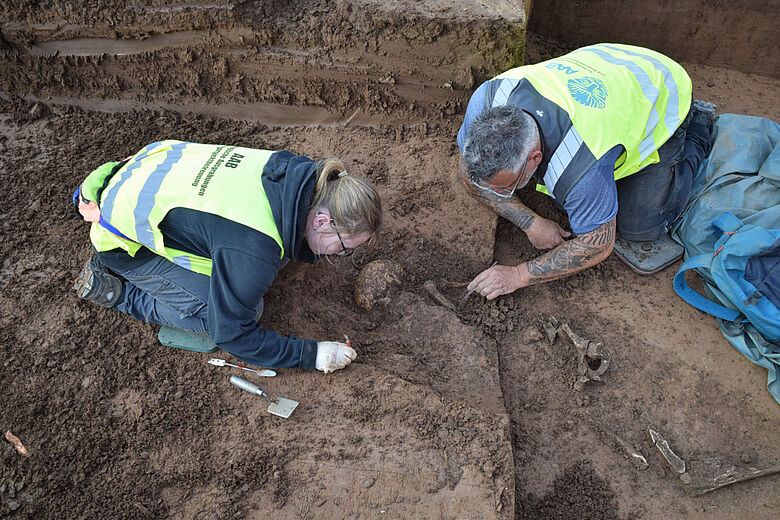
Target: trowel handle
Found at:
x=243, y=384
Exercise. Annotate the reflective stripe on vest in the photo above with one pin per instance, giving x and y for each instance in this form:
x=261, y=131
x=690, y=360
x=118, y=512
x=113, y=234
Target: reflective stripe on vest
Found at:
x=503, y=91
x=562, y=158
x=107, y=204
x=146, y=199
x=672, y=117
x=596, y=98
x=221, y=180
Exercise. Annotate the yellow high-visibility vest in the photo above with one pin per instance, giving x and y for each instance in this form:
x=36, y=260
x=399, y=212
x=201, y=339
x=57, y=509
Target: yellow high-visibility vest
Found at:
x=134, y=199
x=593, y=99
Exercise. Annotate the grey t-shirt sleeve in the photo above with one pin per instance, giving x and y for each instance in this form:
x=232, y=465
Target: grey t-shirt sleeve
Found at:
x=593, y=201
x=475, y=107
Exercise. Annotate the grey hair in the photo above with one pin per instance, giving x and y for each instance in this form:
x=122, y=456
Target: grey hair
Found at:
x=500, y=138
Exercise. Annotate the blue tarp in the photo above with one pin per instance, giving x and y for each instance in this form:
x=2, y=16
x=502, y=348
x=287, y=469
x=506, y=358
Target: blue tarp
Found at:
x=741, y=176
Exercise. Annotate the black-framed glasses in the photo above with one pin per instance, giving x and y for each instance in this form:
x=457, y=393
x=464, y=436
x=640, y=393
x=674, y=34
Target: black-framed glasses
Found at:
x=345, y=251
x=504, y=192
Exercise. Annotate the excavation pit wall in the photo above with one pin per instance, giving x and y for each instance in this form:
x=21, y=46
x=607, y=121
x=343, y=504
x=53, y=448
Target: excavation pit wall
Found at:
x=739, y=36
x=336, y=61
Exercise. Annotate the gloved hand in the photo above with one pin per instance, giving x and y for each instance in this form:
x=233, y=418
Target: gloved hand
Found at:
x=332, y=356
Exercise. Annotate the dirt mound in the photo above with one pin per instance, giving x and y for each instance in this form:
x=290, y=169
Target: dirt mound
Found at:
x=578, y=489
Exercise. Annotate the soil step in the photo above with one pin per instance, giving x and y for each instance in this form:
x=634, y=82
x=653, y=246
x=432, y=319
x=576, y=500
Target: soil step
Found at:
x=419, y=60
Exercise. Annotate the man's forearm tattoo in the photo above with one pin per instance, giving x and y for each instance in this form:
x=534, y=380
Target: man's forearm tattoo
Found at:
x=575, y=255
x=601, y=237
x=515, y=213
x=511, y=209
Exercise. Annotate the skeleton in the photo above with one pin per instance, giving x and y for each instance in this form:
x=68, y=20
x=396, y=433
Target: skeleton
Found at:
x=703, y=476
x=592, y=358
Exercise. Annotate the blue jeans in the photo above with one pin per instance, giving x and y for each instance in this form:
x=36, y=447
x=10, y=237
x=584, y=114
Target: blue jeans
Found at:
x=161, y=292
x=651, y=199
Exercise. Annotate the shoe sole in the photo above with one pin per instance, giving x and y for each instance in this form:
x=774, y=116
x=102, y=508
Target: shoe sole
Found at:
x=83, y=284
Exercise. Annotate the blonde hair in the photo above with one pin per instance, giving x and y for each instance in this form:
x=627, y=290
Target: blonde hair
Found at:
x=352, y=202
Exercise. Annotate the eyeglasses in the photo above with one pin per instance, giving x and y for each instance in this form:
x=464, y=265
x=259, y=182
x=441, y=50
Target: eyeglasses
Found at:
x=345, y=251
x=502, y=192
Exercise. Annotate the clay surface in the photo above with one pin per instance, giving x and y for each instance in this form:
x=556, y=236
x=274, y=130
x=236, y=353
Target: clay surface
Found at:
x=469, y=413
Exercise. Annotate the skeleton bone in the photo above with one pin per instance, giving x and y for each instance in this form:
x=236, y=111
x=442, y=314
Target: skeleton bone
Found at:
x=551, y=328
x=438, y=297
x=671, y=457
x=590, y=350
x=708, y=475
x=636, y=458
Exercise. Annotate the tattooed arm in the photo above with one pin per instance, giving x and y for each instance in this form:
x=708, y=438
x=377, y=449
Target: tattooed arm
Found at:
x=511, y=209
x=581, y=252
x=543, y=233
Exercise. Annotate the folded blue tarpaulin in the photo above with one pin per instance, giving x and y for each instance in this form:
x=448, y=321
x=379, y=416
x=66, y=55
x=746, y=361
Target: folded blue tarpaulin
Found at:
x=741, y=176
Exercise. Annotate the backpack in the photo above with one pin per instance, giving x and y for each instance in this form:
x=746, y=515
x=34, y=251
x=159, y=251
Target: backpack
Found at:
x=742, y=280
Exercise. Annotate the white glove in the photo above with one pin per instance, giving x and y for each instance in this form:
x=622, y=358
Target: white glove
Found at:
x=332, y=356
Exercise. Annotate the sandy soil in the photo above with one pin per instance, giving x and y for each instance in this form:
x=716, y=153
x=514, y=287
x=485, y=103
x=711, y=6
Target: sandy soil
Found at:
x=447, y=414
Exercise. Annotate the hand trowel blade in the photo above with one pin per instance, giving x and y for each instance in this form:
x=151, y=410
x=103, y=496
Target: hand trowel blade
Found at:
x=282, y=406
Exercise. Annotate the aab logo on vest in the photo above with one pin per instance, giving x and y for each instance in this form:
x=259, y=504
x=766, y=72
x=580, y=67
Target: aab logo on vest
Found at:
x=234, y=160
x=588, y=91
x=558, y=66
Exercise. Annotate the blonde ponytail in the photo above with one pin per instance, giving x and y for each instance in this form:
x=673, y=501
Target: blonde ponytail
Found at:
x=352, y=202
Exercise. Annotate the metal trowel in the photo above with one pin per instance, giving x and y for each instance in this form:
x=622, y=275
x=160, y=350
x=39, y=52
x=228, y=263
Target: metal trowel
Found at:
x=280, y=406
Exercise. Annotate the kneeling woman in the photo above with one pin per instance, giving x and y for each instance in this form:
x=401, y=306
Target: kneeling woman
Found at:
x=198, y=233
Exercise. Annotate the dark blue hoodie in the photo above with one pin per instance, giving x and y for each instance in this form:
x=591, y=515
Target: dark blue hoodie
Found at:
x=245, y=263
